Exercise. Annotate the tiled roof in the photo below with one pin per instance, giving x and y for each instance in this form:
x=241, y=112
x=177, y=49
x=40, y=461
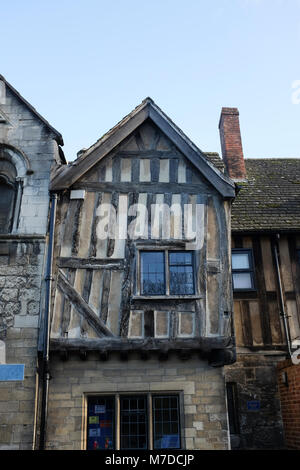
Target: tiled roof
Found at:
x=270, y=199
x=214, y=158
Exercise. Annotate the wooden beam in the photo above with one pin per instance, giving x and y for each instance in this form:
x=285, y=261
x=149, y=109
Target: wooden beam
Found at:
x=83, y=308
x=161, y=154
x=90, y=263
x=141, y=187
x=148, y=344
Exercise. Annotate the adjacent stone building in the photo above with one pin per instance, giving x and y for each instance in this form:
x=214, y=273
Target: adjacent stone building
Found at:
x=29, y=147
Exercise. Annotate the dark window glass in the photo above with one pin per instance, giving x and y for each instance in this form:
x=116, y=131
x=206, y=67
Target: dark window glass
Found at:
x=298, y=256
x=153, y=275
x=100, y=426
x=232, y=404
x=242, y=270
x=7, y=200
x=133, y=416
x=153, y=272
x=134, y=423
x=181, y=272
x=166, y=424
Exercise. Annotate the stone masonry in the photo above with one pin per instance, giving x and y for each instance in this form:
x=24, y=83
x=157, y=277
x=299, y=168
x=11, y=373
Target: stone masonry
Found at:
x=256, y=380
x=202, y=388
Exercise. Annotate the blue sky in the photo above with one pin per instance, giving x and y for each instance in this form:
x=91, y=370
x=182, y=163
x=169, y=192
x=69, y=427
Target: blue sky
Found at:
x=85, y=64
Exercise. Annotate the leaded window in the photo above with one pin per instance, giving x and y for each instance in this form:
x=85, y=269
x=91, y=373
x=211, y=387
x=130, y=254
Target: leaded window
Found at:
x=166, y=422
x=133, y=422
x=167, y=273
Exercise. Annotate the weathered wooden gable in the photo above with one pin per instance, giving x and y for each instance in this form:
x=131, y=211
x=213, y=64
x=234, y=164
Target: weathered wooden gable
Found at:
x=97, y=279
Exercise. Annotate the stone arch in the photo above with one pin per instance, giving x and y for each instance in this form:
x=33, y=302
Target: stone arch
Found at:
x=14, y=166
x=16, y=158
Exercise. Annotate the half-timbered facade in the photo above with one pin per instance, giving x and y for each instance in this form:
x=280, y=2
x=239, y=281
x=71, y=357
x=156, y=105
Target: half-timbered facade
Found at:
x=265, y=227
x=141, y=292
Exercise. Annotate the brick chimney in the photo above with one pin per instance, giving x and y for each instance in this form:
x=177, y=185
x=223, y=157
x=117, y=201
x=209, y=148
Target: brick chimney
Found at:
x=231, y=143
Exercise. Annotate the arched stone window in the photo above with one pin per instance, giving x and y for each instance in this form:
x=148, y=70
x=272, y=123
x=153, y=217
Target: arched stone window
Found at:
x=8, y=191
x=13, y=169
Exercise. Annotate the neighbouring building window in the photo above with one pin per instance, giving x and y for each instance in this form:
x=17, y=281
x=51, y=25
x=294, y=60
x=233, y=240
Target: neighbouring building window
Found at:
x=166, y=273
x=10, y=191
x=144, y=421
x=232, y=405
x=242, y=269
x=7, y=203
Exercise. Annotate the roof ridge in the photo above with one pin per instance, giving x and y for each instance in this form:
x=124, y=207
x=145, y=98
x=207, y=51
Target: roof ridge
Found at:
x=271, y=158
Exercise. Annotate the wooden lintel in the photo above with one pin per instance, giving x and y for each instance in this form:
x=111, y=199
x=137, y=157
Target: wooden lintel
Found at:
x=205, y=344
x=147, y=153
x=148, y=187
x=90, y=263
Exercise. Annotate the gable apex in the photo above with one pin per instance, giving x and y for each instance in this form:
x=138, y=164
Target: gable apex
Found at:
x=146, y=110
x=58, y=136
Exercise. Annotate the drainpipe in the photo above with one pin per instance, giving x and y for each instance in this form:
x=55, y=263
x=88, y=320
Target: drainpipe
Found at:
x=281, y=301
x=45, y=372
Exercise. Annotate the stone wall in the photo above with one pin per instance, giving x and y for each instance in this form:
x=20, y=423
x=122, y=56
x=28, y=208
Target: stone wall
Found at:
x=258, y=405
x=20, y=300
x=202, y=387
x=289, y=388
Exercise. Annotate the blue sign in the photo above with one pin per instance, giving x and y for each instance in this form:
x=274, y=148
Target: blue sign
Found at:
x=10, y=372
x=253, y=405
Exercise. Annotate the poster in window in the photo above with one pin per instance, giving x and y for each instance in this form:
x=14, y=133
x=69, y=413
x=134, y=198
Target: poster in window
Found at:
x=170, y=441
x=100, y=433
x=94, y=432
x=100, y=409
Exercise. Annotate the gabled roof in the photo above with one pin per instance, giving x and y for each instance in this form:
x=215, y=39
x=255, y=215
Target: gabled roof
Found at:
x=270, y=199
x=59, y=138
x=69, y=174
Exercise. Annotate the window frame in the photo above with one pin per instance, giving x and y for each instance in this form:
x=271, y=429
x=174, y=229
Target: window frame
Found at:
x=249, y=270
x=5, y=181
x=233, y=408
x=150, y=419
x=166, y=251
